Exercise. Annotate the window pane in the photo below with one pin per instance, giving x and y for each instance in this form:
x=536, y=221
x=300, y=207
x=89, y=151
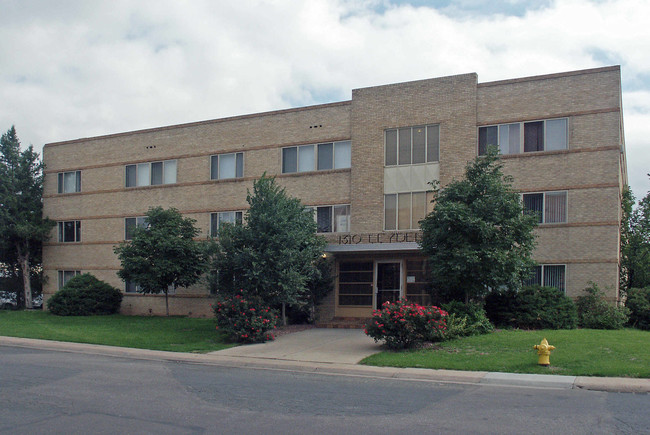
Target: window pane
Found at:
x=535, y=276
x=129, y=226
x=130, y=176
x=143, y=174
x=170, y=172
x=405, y=146
x=77, y=233
x=60, y=231
x=533, y=136
x=404, y=211
x=390, y=211
x=433, y=143
x=60, y=183
x=227, y=166
x=554, y=277
x=131, y=287
x=214, y=224
x=324, y=219
x=503, y=139
x=141, y=222
x=68, y=231
x=391, y=147
x=69, y=182
x=289, y=160
x=240, y=165
x=419, y=136
x=214, y=167
x=238, y=217
x=555, y=210
x=514, y=139
x=534, y=204
x=419, y=208
x=487, y=136
x=306, y=158
x=325, y=156
x=156, y=173
x=341, y=218
x=60, y=279
x=226, y=217
x=556, y=134
x=78, y=179
x=342, y=154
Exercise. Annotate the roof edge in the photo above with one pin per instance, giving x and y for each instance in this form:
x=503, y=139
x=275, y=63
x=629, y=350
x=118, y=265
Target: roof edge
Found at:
x=552, y=76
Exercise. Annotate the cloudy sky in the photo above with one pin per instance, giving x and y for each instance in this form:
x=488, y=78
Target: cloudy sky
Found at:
x=71, y=69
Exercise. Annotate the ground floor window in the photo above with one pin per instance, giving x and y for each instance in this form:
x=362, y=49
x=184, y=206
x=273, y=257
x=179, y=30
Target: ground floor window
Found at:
x=65, y=276
x=548, y=275
x=131, y=287
x=356, y=283
x=224, y=217
x=417, y=285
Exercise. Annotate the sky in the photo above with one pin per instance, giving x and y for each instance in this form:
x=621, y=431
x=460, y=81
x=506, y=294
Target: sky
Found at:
x=73, y=69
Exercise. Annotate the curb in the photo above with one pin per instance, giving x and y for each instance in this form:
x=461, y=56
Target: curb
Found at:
x=626, y=385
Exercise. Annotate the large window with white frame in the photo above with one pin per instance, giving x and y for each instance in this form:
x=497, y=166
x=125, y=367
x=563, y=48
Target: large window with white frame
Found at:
x=412, y=145
x=403, y=211
x=548, y=275
x=224, y=217
x=69, y=182
x=317, y=157
x=131, y=223
x=525, y=137
x=151, y=173
x=225, y=166
x=69, y=231
x=548, y=207
x=332, y=218
x=65, y=276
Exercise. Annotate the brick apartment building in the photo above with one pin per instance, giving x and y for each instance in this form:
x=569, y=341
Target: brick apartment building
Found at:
x=363, y=165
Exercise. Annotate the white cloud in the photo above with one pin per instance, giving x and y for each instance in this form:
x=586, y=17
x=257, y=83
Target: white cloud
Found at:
x=74, y=68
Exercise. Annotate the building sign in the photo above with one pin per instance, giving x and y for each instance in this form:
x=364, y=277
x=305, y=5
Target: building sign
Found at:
x=393, y=237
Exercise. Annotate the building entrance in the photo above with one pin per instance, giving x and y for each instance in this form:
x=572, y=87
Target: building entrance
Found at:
x=388, y=282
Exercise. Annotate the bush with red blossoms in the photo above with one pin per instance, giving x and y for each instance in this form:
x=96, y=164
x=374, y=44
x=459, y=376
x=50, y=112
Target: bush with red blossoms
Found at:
x=243, y=320
x=403, y=324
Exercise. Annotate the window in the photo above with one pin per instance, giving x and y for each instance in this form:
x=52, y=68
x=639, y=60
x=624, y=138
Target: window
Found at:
x=550, y=207
x=224, y=217
x=131, y=223
x=418, y=288
x=319, y=157
x=132, y=287
x=356, y=283
x=66, y=275
x=224, y=166
x=403, y=211
x=547, y=135
x=412, y=145
x=70, y=231
x=151, y=173
x=334, y=218
x=548, y=275
x=69, y=182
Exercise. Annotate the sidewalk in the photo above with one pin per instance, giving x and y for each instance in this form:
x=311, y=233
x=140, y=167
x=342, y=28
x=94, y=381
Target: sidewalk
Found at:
x=336, y=352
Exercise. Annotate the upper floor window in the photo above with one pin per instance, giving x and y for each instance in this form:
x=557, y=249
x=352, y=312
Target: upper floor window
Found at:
x=403, y=211
x=151, y=173
x=412, y=145
x=319, y=157
x=549, y=207
x=548, y=275
x=131, y=223
x=332, y=218
x=515, y=138
x=65, y=276
x=69, y=182
x=69, y=231
x=224, y=166
x=223, y=217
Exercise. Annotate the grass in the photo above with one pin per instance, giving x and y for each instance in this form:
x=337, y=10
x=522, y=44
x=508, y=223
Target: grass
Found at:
x=579, y=352
x=177, y=334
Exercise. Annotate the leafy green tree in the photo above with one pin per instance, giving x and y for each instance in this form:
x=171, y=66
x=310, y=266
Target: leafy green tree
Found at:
x=22, y=227
x=478, y=237
x=635, y=242
x=163, y=254
x=272, y=255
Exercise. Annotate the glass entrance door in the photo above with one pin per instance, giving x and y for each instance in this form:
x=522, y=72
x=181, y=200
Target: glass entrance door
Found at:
x=389, y=282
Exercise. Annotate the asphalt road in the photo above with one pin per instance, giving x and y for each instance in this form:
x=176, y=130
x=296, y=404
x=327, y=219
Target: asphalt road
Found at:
x=58, y=392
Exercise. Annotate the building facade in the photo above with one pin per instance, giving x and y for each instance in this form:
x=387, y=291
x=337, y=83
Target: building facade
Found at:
x=364, y=166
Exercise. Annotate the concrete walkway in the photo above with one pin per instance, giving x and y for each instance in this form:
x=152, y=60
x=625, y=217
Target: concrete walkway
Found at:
x=322, y=345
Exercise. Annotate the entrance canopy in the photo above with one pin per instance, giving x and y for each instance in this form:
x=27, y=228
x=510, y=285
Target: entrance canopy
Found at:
x=372, y=247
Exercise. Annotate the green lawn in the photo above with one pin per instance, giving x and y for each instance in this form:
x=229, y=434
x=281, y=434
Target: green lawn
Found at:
x=178, y=334
x=579, y=352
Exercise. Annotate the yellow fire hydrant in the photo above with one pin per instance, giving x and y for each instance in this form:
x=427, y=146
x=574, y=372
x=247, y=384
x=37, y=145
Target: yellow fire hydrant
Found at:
x=544, y=352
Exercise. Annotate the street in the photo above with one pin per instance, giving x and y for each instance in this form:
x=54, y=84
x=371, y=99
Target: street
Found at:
x=59, y=392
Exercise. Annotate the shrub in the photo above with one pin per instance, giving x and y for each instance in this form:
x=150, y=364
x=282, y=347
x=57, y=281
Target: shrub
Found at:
x=596, y=313
x=466, y=319
x=534, y=307
x=402, y=324
x=638, y=302
x=244, y=320
x=85, y=295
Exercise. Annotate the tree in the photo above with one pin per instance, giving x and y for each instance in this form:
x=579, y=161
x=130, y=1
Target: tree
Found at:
x=478, y=237
x=635, y=242
x=22, y=227
x=163, y=254
x=272, y=255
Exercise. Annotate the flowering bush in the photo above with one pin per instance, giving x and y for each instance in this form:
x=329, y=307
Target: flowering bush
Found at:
x=243, y=320
x=403, y=324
